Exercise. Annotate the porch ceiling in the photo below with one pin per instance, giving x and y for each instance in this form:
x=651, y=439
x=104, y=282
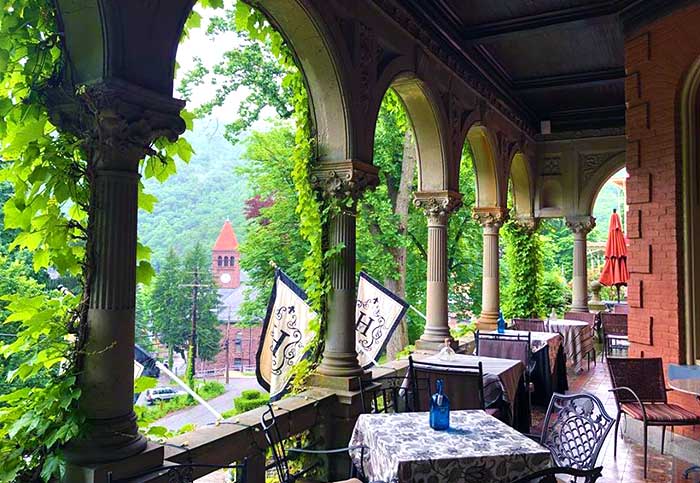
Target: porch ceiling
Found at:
x=557, y=60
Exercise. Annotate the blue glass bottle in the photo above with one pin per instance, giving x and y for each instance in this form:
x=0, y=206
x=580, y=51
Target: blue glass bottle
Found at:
x=439, y=409
x=501, y=323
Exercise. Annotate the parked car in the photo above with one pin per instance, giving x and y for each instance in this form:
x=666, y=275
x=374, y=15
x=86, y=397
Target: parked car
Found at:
x=160, y=394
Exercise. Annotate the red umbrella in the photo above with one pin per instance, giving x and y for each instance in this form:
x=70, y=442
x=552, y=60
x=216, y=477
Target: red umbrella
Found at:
x=615, y=269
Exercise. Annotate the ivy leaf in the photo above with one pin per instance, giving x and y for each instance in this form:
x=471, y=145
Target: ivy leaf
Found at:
x=144, y=272
x=144, y=383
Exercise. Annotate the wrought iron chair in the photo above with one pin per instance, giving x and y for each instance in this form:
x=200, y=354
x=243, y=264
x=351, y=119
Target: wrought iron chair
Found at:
x=614, y=333
x=590, y=317
x=394, y=394
x=464, y=385
x=550, y=475
x=280, y=460
x=641, y=393
x=529, y=325
x=184, y=473
x=574, y=430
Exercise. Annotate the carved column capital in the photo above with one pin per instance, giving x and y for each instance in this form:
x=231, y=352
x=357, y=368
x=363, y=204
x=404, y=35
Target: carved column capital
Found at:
x=580, y=225
x=117, y=120
x=490, y=217
x=437, y=205
x=527, y=223
x=342, y=179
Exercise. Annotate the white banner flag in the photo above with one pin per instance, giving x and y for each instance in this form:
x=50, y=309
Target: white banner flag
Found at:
x=377, y=314
x=285, y=335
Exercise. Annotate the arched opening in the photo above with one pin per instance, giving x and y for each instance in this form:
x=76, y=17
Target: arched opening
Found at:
x=521, y=186
x=485, y=168
x=219, y=261
x=690, y=145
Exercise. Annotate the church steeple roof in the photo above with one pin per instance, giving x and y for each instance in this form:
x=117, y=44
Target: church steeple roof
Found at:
x=227, y=238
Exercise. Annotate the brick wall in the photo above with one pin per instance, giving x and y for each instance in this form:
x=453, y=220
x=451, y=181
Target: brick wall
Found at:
x=250, y=339
x=657, y=59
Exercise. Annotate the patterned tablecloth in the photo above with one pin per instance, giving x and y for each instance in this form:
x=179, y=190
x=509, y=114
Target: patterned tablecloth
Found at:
x=538, y=341
x=477, y=448
x=505, y=371
x=578, y=340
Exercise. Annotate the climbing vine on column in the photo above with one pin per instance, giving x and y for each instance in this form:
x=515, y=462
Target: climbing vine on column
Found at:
x=523, y=260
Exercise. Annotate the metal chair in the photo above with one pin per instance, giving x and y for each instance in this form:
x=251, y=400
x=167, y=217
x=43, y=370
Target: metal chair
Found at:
x=614, y=333
x=590, y=317
x=550, y=475
x=394, y=394
x=280, y=460
x=641, y=393
x=529, y=325
x=463, y=385
x=574, y=429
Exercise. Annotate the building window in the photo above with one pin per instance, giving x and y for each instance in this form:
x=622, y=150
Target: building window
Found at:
x=219, y=261
x=225, y=261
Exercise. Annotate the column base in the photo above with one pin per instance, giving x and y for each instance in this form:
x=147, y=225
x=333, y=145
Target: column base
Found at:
x=149, y=459
x=340, y=364
x=487, y=321
x=339, y=383
x=579, y=308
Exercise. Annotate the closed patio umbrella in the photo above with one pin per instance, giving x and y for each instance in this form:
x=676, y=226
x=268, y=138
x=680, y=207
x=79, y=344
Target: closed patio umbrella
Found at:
x=615, y=269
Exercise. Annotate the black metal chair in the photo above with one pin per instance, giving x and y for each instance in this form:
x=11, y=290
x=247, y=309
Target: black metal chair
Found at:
x=614, y=333
x=529, y=325
x=574, y=430
x=463, y=385
x=392, y=394
x=184, y=473
x=280, y=460
x=550, y=475
x=508, y=346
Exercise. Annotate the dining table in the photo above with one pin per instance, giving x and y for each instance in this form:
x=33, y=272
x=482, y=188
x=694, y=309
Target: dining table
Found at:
x=548, y=368
x=503, y=384
x=477, y=448
x=578, y=340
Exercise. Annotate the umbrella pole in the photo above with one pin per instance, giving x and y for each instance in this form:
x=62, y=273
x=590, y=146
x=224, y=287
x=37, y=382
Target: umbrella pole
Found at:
x=618, y=293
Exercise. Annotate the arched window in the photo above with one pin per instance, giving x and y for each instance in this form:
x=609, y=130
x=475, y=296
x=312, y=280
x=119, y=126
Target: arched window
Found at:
x=219, y=261
x=225, y=261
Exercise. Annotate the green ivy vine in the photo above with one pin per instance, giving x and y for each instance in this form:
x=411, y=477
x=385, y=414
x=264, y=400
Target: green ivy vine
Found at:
x=523, y=260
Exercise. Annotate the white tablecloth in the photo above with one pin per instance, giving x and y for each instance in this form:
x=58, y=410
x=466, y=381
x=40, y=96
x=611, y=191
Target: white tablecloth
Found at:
x=477, y=448
x=578, y=340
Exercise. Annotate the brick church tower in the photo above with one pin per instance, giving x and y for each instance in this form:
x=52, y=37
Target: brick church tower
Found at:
x=225, y=258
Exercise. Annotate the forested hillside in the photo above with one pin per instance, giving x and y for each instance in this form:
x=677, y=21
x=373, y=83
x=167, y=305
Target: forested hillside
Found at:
x=193, y=204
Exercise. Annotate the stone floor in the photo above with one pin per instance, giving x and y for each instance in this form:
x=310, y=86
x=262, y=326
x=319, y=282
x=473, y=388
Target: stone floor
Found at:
x=628, y=467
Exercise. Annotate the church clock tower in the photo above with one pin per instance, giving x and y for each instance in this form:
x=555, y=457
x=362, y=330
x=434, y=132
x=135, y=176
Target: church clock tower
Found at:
x=225, y=258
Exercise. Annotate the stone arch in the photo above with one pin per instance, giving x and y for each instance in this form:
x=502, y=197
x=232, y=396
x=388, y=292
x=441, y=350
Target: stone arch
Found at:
x=425, y=118
x=690, y=151
x=488, y=193
x=136, y=42
x=592, y=187
x=522, y=186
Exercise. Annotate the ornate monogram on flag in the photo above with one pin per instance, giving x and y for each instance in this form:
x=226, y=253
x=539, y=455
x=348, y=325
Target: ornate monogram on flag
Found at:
x=285, y=336
x=377, y=314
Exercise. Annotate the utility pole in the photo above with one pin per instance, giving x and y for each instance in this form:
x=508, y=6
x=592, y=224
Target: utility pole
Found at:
x=193, y=331
x=228, y=329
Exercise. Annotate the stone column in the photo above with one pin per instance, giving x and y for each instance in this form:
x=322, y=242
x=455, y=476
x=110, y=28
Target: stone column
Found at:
x=437, y=207
x=491, y=219
x=343, y=180
x=118, y=122
x=580, y=226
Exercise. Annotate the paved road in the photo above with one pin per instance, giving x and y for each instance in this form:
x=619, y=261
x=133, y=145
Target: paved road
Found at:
x=199, y=415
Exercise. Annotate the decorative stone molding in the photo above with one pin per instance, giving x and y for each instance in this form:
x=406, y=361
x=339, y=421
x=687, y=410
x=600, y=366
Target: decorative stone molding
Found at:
x=528, y=223
x=117, y=120
x=437, y=204
x=490, y=217
x=580, y=224
x=590, y=162
x=342, y=179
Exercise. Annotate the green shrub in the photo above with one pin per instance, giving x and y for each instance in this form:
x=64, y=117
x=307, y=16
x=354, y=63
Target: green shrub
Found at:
x=554, y=293
x=210, y=389
x=249, y=400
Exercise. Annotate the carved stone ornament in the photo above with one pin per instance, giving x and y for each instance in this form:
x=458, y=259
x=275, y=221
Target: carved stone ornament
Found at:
x=528, y=223
x=490, y=217
x=118, y=121
x=580, y=224
x=437, y=203
x=343, y=179
x=590, y=162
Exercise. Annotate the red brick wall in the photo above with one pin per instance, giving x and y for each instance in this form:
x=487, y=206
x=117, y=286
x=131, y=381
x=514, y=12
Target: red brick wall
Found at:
x=250, y=341
x=657, y=59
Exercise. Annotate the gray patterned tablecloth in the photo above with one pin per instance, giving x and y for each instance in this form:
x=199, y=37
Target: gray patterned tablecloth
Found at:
x=477, y=448
x=538, y=341
x=578, y=340
x=506, y=372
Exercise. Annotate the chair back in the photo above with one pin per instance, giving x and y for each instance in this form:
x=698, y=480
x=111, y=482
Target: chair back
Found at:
x=575, y=429
x=504, y=346
x=463, y=385
x=614, y=324
x=394, y=394
x=645, y=376
x=529, y=325
x=621, y=309
x=550, y=475
x=590, y=317
x=268, y=422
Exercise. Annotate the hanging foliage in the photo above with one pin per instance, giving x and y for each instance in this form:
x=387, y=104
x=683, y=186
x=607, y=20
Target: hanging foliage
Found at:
x=523, y=260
